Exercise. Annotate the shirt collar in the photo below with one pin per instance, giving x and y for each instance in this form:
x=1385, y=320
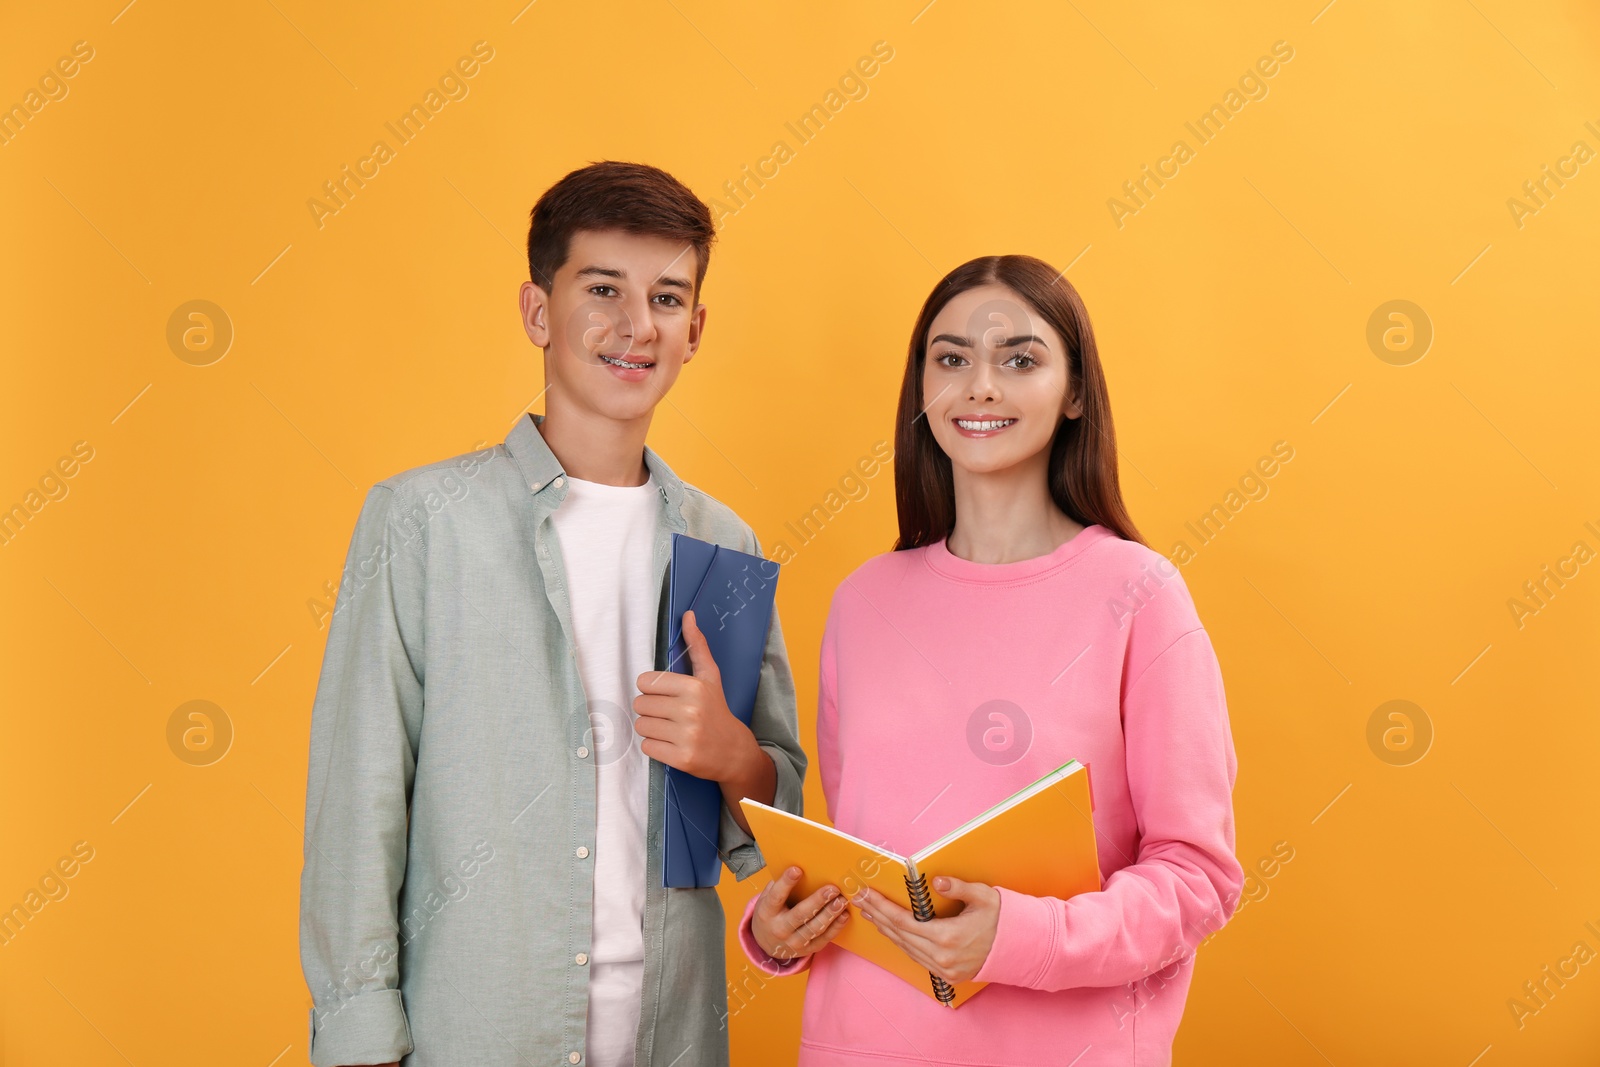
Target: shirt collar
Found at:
x=541, y=469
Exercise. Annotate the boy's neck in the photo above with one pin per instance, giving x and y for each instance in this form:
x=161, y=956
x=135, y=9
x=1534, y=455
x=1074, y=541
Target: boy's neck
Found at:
x=596, y=449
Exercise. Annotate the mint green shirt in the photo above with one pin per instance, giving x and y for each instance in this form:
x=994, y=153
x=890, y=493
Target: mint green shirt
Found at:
x=447, y=895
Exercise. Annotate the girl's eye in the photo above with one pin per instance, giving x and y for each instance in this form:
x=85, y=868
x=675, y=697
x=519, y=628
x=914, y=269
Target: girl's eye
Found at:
x=949, y=359
x=1023, y=361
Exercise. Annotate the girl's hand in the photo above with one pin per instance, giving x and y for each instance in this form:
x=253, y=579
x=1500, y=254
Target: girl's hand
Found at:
x=953, y=948
x=786, y=933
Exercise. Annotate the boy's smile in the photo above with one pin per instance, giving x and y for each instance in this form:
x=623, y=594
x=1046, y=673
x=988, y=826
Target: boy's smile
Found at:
x=627, y=370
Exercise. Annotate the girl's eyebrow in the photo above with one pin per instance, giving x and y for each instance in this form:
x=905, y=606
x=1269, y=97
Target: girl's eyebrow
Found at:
x=1020, y=339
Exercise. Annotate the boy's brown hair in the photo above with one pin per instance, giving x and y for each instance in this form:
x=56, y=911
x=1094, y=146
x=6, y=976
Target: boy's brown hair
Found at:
x=610, y=195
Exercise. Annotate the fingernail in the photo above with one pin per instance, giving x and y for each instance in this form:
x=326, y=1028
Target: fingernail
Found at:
x=837, y=904
x=829, y=893
x=793, y=872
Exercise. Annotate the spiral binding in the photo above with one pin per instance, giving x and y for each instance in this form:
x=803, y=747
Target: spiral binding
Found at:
x=922, y=908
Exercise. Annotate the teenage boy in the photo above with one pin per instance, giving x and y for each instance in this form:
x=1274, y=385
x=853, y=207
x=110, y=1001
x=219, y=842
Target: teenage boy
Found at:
x=483, y=861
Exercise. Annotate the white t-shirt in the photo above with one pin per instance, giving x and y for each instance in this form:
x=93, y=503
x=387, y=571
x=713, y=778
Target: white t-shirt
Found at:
x=607, y=536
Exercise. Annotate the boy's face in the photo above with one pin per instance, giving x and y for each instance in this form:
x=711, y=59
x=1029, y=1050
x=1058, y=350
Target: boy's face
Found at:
x=618, y=323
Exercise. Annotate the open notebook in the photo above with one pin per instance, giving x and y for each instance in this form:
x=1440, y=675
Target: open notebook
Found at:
x=1038, y=841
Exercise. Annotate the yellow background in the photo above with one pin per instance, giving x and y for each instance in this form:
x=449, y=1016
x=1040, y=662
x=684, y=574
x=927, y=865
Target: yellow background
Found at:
x=1231, y=312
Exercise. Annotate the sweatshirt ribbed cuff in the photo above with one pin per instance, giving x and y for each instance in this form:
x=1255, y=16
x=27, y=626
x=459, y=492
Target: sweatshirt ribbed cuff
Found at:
x=1027, y=935
x=758, y=956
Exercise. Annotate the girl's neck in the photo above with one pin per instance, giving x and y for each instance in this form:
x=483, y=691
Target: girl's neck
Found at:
x=1007, y=516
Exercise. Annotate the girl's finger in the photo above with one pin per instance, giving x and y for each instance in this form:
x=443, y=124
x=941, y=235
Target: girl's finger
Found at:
x=775, y=894
x=810, y=907
x=900, y=941
x=888, y=916
x=919, y=949
x=831, y=932
x=819, y=922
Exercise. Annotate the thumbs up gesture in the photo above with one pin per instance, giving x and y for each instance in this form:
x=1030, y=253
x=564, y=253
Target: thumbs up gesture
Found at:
x=685, y=721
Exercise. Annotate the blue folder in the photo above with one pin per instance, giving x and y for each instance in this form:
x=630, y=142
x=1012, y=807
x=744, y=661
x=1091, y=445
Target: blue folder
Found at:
x=731, y=594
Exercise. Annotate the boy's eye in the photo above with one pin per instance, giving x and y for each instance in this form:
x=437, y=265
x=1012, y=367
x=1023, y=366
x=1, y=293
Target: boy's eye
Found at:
x=596, y=290
x=671, y=298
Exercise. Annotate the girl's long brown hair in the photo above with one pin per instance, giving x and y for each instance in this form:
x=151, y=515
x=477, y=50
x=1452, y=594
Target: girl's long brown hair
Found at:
x=1083, y=454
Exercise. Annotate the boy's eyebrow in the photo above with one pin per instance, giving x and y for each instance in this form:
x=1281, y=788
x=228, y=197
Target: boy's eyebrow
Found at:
x=672, y=281
x=967, y=342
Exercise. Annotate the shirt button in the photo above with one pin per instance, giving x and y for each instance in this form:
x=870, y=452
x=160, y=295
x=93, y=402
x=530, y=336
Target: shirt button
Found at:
x=583, y=852
x=537, y=485
x=581, y=958
x=558, y=483
x=582, y=752
x=573, y=1057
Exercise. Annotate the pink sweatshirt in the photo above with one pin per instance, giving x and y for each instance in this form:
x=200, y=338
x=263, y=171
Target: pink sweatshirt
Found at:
x=945, y=686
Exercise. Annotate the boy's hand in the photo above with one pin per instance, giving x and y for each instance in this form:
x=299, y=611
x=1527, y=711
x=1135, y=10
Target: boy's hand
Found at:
x=685, y=721
x=786, y=933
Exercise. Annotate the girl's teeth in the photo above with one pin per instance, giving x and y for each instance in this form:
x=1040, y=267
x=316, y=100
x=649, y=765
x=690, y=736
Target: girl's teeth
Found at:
x=985, y=424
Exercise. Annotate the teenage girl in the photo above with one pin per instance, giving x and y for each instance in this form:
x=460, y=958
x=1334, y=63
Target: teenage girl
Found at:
x=1019, y=622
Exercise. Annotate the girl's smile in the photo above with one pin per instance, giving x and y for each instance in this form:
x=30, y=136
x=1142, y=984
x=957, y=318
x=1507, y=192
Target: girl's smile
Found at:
x=982, y=425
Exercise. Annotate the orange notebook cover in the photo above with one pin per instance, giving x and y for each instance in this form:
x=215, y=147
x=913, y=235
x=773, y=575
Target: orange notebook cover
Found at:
x=1039, y=841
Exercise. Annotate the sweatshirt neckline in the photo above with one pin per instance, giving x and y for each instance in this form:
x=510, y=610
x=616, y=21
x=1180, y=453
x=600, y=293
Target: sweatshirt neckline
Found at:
x=946, y=563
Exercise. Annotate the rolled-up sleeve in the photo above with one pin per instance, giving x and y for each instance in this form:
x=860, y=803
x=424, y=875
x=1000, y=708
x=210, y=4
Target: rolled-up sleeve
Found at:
x=365, y=722
x=775, y=723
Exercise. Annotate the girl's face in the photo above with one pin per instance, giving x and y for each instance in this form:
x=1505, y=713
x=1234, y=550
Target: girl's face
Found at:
x=995, y=381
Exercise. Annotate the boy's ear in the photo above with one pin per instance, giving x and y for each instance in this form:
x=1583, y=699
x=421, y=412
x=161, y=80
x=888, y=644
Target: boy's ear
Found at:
x=535, y=305
x=697, y=327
